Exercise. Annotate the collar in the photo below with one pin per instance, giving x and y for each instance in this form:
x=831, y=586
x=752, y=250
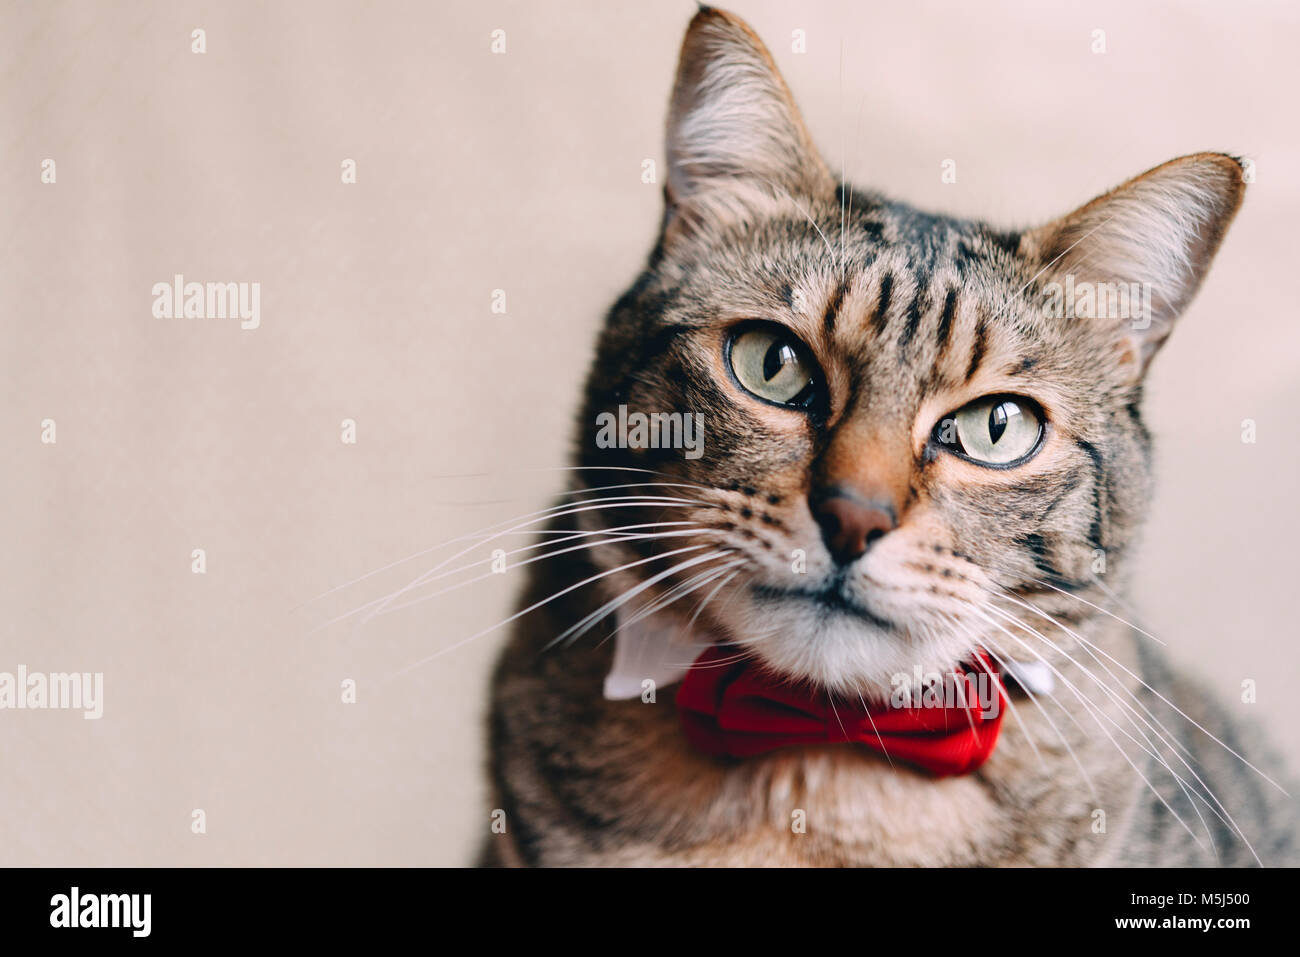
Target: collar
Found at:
x=731, y=706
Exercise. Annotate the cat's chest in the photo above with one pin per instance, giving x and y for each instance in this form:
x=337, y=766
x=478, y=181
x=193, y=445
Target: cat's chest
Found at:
x=839, y=805
x=832, y=805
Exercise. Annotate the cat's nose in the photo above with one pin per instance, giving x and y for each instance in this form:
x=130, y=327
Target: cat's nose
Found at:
x=851, y=524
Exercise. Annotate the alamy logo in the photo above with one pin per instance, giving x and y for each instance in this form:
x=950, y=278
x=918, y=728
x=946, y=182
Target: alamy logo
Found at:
x=1098, y=300
x=179, y=299
x=656, y=430
x=75, y=909
x=934, y=690
x=67, y=691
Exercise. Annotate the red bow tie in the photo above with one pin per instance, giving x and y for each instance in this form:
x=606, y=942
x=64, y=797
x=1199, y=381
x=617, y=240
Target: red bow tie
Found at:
x=730, y=705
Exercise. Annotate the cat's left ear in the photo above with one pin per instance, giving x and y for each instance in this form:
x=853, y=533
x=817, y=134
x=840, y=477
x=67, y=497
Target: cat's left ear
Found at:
x=1157, y=234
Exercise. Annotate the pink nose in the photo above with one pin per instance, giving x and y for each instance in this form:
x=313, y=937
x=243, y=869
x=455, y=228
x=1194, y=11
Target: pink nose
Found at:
x=850, y=524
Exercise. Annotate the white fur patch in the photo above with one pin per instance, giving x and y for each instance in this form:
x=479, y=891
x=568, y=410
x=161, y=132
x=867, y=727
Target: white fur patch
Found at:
x=661, y=649
x=1034, y=676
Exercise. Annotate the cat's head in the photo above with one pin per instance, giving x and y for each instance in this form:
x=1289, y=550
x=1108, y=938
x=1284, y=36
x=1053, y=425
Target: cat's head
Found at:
x=907, y=418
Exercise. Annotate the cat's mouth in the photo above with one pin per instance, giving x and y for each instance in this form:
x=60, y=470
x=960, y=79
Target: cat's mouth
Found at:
x=830, y=599
x=847, y=630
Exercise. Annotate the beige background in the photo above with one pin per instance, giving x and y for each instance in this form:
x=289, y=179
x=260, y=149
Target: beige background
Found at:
x=479, y=172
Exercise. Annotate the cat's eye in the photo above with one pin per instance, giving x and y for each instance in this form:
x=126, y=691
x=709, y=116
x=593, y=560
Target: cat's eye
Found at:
x=774, y=365
x=998, y=430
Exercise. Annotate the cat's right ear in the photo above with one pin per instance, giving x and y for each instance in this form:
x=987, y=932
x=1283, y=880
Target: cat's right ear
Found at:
x=734, y=132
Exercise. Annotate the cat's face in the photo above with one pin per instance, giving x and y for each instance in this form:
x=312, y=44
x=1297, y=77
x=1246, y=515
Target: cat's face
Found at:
x=900, y=433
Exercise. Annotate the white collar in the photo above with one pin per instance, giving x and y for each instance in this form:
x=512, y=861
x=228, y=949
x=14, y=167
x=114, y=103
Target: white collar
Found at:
x=658, y=647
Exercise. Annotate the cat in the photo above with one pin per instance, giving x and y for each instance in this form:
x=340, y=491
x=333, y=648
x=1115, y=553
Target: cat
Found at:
x=912, y=456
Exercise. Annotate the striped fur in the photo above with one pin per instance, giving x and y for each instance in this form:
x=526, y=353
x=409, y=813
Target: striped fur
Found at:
x=910, y=316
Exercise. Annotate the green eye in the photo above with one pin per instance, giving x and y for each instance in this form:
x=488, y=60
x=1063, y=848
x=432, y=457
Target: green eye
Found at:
x=773, y=365
x=993, y=430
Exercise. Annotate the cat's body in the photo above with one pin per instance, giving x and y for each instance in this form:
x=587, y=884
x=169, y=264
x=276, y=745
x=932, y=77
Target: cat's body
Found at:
x=890, y=323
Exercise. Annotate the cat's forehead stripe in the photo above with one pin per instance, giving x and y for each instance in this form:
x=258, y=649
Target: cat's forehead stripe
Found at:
x=881, y=316
x=833, y=307
x=945, y=321
x=979, y=346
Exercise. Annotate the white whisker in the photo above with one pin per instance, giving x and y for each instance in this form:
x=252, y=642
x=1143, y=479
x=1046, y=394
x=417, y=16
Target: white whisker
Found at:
x=491, y=574
x=676, y=593
x=1144, y=684
x=546, y=512
x=1130, y=624
x=700, y=607
x=1094, y=713
x=777, y=187
x=546, y=601
x=1150, y=747
x=1014, y=712
x=614, y=502
x=576, y=631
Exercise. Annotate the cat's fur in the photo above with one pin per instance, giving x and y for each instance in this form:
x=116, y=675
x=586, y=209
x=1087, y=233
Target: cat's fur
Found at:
x=910, y=315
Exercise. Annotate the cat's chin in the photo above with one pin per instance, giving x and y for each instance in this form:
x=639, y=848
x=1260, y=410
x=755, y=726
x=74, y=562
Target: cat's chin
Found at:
x=837, y=643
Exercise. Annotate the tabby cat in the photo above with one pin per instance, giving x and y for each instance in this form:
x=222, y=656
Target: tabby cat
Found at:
x=911, y=459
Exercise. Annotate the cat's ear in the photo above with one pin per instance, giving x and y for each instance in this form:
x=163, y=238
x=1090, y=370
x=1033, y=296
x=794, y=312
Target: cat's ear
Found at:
x=732, y=124
x=1155, y=234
